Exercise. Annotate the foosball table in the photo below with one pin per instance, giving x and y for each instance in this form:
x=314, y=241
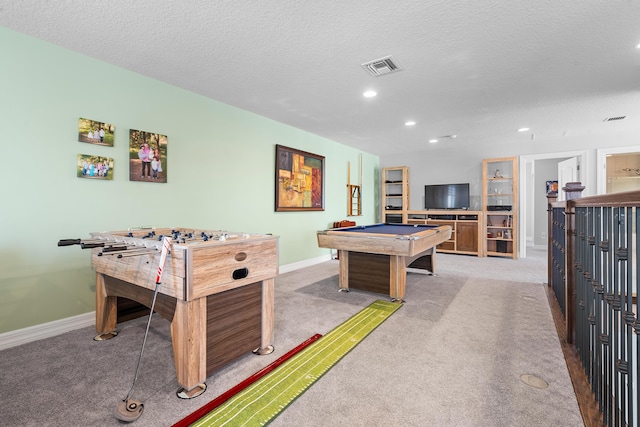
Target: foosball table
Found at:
x=217, y=291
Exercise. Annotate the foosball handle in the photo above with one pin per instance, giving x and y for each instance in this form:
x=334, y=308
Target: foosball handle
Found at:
x=91, y=245
x=114, y=249
x=69, y=242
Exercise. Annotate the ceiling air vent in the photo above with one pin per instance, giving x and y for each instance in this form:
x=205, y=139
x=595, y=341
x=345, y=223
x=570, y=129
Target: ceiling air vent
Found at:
x=382, y=66
x=610, y=119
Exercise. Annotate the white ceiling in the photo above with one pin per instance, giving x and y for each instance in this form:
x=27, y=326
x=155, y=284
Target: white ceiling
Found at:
x=478, y=69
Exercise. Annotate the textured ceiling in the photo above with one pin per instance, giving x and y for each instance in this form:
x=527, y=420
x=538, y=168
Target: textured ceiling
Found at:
x=477, y=69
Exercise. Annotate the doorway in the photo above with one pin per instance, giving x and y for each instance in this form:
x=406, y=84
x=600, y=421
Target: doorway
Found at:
x=618, y=169
x=530, y=206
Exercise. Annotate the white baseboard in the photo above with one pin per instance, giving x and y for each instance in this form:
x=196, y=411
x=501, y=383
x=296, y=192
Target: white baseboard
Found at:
x=46, y=330
x=304, y=263
x=57, y=327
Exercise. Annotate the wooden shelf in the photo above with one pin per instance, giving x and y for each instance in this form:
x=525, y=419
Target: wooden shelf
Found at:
x=500, y=191
x=466, y=229
x=395, y=194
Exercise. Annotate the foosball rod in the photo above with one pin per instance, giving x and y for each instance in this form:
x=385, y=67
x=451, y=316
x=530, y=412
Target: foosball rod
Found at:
x=129, y=252
x=209, y=237
x=203, y=235
x=81, y=242
x=136, y=253
x=91, y=243
x=119, y=248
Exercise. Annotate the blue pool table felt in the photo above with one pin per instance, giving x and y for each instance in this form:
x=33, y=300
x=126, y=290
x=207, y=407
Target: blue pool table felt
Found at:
x=397, y=229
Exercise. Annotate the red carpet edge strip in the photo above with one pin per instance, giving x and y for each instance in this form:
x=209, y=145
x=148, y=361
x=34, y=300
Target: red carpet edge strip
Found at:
x=204, y=410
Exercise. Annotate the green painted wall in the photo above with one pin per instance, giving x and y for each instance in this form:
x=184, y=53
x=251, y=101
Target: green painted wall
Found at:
x=220, y=174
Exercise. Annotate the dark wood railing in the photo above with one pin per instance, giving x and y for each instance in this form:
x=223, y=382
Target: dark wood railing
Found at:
x=593, y=272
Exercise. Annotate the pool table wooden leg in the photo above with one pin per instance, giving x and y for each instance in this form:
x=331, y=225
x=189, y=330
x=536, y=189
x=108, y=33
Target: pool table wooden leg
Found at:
x=344, y=271
x=397, y=277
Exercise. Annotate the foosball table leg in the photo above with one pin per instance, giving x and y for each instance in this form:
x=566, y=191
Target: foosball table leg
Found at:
x=106, y=311
x=268, y=292
x=189, y=339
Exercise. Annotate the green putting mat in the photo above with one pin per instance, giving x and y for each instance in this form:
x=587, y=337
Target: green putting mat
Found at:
x=265, y=399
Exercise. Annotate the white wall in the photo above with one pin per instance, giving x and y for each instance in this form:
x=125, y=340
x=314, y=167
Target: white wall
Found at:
x=460, y=161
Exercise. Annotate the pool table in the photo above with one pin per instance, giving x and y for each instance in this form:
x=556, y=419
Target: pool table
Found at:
x=375, y=257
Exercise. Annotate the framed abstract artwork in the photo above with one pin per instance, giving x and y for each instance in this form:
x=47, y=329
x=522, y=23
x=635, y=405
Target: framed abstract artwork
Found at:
x=299, y=180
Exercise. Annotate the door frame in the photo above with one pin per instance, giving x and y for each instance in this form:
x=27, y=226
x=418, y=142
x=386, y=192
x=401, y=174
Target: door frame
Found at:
x=526, y=182
x=601, y=164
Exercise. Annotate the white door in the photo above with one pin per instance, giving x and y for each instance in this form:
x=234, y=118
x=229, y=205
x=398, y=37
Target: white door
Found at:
x=568, y=171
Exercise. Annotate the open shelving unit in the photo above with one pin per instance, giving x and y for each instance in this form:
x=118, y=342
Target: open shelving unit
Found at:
x=500, y=206
x=395, y=194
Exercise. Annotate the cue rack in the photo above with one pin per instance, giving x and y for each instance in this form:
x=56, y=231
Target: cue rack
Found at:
x=354, y=192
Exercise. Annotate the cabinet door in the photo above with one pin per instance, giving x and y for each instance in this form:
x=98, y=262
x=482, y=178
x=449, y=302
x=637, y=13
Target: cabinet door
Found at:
x=467, y=236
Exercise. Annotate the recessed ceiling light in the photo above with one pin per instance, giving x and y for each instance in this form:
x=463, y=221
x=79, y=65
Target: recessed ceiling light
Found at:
x=410, y=123
x=433, y=141
x=638, y=46
x=523, y=129
x=370, y=94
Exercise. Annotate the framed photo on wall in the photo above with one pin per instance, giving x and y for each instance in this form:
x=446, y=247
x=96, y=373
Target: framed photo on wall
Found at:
x=94, y=167
x=299, y=180
x=95, y=132
x=147, y=156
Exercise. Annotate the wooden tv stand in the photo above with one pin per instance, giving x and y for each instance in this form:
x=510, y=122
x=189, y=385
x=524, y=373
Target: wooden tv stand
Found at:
x=466, y=229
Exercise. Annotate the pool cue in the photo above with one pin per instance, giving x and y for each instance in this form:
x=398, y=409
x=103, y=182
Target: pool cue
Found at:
x=360, y=172
x=130, y=410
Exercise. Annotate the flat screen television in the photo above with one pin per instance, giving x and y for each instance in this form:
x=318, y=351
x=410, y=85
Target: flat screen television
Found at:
x=446, y=196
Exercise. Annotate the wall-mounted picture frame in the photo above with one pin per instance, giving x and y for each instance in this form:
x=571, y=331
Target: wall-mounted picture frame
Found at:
x=95, y=167
x=95, y=132
x=299, y=180
x=147, y=156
